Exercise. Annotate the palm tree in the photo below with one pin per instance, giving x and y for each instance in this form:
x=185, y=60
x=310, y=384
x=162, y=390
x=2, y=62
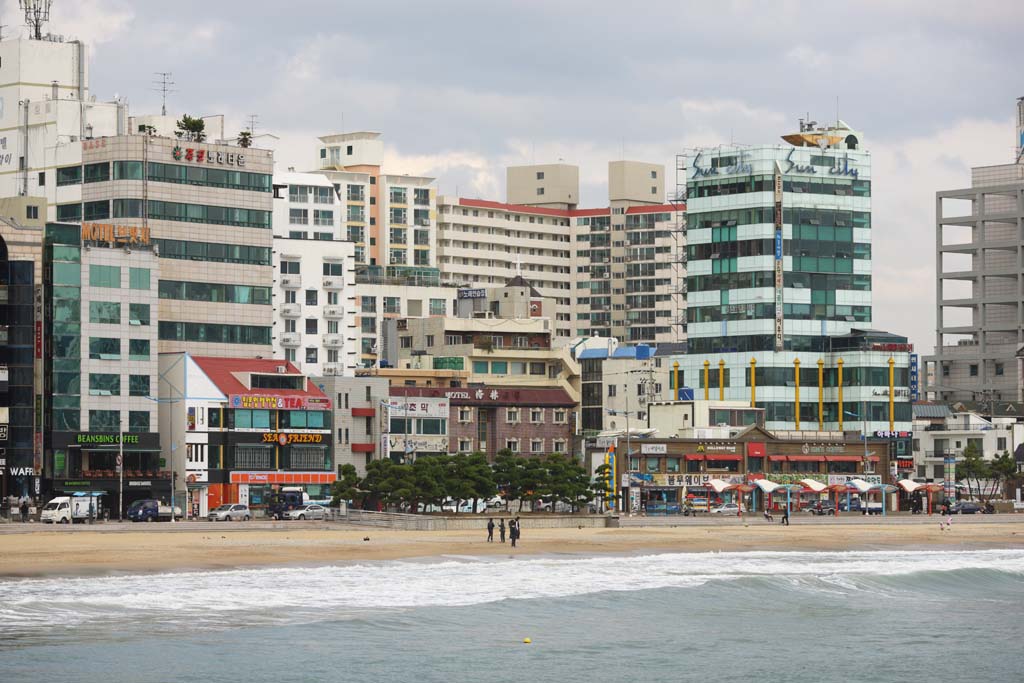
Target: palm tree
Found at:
x=245, y=138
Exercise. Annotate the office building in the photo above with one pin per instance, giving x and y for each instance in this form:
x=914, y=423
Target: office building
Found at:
x=979, y=323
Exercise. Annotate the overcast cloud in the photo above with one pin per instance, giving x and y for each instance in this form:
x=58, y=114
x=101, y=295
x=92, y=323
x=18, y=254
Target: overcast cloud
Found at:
x=462, y=89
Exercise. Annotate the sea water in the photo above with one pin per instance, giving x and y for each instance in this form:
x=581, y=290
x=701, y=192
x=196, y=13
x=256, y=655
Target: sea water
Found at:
x=765, y=616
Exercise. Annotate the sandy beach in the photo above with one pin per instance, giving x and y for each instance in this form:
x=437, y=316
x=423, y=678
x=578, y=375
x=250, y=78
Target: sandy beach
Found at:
x=82, y=551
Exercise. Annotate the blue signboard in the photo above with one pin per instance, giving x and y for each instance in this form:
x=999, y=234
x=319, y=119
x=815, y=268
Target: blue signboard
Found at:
x=778, y=246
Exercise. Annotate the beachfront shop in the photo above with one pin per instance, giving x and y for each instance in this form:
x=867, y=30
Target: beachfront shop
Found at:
x=110, y=462
x=256, y=488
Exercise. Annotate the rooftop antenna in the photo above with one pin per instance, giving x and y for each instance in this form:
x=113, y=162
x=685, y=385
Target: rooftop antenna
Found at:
x=37, y=13
x=163, y=86
x=252, y=123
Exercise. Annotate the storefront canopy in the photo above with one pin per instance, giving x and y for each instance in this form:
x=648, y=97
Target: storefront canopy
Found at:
x=859, y=484
x=718, y=485
x=765, y=485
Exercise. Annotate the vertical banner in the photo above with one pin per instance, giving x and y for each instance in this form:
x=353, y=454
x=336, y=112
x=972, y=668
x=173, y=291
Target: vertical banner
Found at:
x=949, y=476
x=779, y=280
x=38, y=371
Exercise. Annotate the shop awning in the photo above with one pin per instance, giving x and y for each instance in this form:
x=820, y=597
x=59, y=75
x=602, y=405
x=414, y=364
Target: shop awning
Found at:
x=777, y=458
x=731, y=458
x=115, y=449
x=806, y=458
x=693, y=456
x=260, y=478
x=874, y=458
x=843, y=458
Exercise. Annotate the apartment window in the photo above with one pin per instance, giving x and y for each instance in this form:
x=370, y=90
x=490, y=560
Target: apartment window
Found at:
x=974, y=370
x=512, y=416
x=289, y=354
x=654, y=190
x=1001, y=443
x=398, y=235
x=333, y=298
x=999, y=369
x=138, y=420
x=104, y=348
x=945, y=371
x=311, y=297
x=104, y=421
x=540, y=191
x=311, y=354
x=611, y=390
x=512, y=445
x=392, y=304
x=558, y=446
x=298, y=216
x=540, y=175
x=334, y=269
x=465, y=445
x=397, y=256
x=536, y=445
x=368, y=304
x=323, y=218
x=289, y=325
x=332, y=354
x=560, y=416
x=311, y=325
x=654, y=175
x=437, y=307
x=430, y=340
x=368, y=324
x=537, y=415
x=104, y=385
x=405, y=342
x=290, y=267
x=32, y=212
x=348, y=152
x=289, y=296
x=465, y=414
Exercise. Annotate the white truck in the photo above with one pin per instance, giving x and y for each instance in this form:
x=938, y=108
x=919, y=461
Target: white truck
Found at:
x=68, y=509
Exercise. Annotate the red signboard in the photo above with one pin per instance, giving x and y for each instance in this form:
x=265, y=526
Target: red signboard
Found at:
x=279, y=402
x=283, y=477
x=39, y=339
x=755, y=450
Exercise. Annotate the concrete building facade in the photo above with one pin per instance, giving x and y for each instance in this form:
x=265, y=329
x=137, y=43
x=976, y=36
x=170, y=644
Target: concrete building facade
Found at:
x=979, y=281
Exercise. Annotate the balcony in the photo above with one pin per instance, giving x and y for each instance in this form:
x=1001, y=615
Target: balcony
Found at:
x=291, y=339
x=291, y=310
x=334, y=341
x=291, y=281
x=334, y=312
x=334, y=283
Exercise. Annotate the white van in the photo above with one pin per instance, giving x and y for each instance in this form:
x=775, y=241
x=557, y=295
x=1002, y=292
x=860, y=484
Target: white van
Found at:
x=68, y=509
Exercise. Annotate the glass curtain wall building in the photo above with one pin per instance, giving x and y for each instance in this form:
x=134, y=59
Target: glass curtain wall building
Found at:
x=779, y=278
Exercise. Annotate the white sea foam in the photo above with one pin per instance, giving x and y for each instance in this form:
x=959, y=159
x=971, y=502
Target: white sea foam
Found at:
x=283, y=594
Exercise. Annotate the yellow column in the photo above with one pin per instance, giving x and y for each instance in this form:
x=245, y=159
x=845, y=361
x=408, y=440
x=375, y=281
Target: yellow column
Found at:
x=753, y=382
x=675, y=380
x=796, y=395
x=721, y=380
x=840, y=378
x=821, y=391
x=707, y=379
x=892, y=393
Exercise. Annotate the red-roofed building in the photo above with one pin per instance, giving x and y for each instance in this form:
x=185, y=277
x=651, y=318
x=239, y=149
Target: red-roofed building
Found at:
x=240, y=430
x=612, y=271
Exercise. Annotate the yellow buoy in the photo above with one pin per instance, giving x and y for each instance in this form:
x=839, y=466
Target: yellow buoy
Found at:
x=527, y=641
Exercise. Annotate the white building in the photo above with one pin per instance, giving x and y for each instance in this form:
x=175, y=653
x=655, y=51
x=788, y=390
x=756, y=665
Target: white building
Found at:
x=940, y=433
x=314, y=287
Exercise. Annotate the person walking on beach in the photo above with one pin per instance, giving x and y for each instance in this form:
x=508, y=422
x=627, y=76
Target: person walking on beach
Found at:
x=519, y=529
x=24, y=508
x=490, y=530
x=513, y=531
x=501, y=529
x=785, y=516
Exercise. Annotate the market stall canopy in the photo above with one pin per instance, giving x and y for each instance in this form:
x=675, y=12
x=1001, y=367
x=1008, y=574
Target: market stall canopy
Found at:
x=813, y=485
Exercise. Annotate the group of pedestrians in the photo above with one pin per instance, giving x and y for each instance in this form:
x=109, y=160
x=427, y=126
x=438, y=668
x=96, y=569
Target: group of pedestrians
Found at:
x=513, y=530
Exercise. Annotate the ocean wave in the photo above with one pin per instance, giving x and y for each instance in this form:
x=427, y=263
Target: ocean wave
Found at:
x=209, y=600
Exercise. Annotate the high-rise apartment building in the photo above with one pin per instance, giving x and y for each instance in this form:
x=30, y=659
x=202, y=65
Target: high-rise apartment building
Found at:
x=616, y=271
x=314, y=285
x=779, y=277
x=979, y=320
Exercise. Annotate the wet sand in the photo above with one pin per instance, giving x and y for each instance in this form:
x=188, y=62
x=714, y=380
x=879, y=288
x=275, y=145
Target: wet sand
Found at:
x=84, y=551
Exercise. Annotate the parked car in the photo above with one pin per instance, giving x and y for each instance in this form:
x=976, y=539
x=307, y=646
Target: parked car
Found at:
x=965, y=507
x=855, y=506
x=822, y=507
x=726, y=509
x=311, y=511
x=229, y=512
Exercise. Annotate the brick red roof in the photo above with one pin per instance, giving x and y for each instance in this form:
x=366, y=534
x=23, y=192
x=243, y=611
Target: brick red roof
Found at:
x=220, y=370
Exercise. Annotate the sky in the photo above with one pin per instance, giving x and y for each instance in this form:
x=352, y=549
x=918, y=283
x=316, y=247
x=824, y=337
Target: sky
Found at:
x=460, y=90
